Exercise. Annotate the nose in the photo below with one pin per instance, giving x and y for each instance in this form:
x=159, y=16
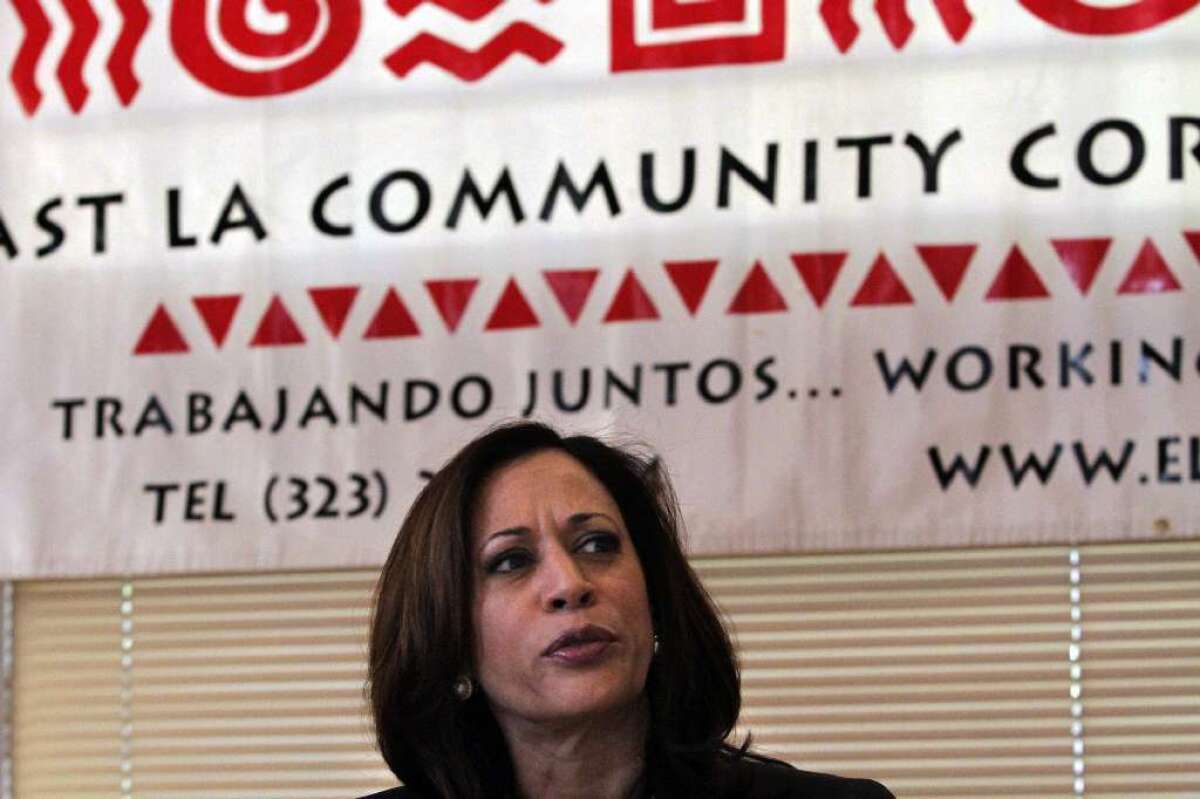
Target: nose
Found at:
x=566, y=585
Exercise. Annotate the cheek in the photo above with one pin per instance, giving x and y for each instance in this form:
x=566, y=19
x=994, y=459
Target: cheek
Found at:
x=635, y=603
x=497, y=638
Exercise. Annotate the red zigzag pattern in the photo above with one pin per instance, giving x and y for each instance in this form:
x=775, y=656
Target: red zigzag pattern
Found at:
x=471, y=65
x=467, y=9
x=1015, y=279
x=85, y=29
x=893, y=16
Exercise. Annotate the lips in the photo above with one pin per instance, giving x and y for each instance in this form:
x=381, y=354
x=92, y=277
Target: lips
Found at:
x=588, y=639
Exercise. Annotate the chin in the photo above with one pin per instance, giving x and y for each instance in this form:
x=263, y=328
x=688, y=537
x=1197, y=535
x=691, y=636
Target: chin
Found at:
x=583, y=695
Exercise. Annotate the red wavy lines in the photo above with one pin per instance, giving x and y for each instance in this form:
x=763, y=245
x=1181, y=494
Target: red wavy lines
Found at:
x=956, y=17
x=894, y=17
x=85, y=25
x=839, y=22
x=897, y=24
x=135, y=19
x=24, y=68
x=520, y=37
x=467, y=9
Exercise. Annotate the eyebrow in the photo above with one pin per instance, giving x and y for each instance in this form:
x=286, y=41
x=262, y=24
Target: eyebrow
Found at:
x=575, y=520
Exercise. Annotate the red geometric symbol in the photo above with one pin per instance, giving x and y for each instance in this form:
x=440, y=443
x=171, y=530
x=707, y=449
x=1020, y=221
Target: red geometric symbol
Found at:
x=315, y=40
x=333, y=304
x=680, y=33
x=571, y=287
x=1193, y=240
x=947, y=263
x=893, y=16
x=85, y=28
x=1017, y=279
x=882, y=286
x=120, y=63
x=512, y=310
x=1149, y=273
x=1082, y=258
x=217, y=311
x=160, y=336
x=757, y=294
x=467, y=9
x=668, y=14
x=277, y=328
x=819, y=271
x=1107, y=20
x=450, y=297
x=631, y=302
x=469, y=65
x=392, y=320
x=691, y=279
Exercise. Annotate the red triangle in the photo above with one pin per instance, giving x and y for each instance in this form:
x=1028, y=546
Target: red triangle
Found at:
x=819, y=270
x=1149, y=273
x=631, y=302
x=691, y=279
x=333, y=304
x=450, y=297
x=161, y=335
x=1017, y=279
x=1193, y=240
x=217, y=311
x=947, y=263
x=571, y=287
x=277, y=327
x=512, y=310
x=757, y=294
x=392, y=320
x=882, y=286
x=1082, y=258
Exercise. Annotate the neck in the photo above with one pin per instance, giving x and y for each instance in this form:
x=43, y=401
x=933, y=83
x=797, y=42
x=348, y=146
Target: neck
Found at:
x=599, y=757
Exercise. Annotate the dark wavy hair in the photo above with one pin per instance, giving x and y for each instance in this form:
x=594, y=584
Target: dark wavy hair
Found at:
x=422, y=633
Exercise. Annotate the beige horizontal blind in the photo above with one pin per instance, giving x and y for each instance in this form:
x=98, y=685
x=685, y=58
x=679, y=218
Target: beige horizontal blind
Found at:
x=1140, y=670
x=66, y=689
x=942, y=674
x=1025, y=672
x=234, y=686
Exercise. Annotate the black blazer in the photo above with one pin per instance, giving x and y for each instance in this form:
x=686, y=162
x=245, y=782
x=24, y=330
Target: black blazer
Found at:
x=752, y=777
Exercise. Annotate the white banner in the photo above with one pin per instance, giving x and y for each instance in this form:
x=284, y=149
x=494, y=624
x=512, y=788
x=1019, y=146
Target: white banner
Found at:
x=866, y=274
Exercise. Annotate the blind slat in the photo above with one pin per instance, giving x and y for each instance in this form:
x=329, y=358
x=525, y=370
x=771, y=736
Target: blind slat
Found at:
x=944, y=674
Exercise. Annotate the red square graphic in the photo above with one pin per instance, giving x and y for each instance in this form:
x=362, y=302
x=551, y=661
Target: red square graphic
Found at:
x=679, y=18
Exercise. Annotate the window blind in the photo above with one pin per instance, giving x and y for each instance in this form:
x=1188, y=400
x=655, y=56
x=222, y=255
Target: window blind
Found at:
x=1017, y=672
x=1139, y=670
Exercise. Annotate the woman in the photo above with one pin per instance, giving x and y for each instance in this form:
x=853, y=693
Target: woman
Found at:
x=539, y=633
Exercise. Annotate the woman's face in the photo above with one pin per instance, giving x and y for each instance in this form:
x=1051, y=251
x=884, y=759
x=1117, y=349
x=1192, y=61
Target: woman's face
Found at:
x=562, y=621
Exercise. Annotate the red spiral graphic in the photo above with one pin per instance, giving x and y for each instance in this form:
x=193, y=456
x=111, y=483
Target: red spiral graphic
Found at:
x=191, y=40
x=1075, y=16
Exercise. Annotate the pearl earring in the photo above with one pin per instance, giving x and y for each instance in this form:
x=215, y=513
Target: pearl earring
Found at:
x=464, y=686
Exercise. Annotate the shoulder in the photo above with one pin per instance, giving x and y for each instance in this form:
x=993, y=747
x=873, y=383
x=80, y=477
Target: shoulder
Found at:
x=759, y=777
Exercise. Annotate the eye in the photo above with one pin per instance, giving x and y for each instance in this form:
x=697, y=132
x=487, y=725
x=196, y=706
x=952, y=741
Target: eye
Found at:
x=599, y=543
x=510, y=560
